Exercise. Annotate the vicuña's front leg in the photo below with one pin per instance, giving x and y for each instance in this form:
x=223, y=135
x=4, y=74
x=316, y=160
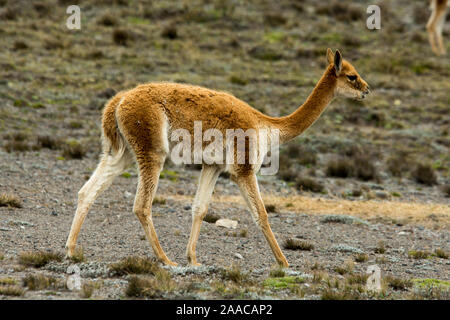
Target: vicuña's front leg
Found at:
x=440, y=26
x=250, y=191
x=208, y=178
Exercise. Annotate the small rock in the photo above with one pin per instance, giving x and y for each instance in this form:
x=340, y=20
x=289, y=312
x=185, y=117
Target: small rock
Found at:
x=227, y=223
x=403, y=233
x=346, y=248
x=237, y=255
x=54, y=213
x=341, y=218
x=188, y=207
x=381, y=194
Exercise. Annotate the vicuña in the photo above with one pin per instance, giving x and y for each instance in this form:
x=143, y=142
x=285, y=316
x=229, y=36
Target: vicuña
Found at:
x=137, y=125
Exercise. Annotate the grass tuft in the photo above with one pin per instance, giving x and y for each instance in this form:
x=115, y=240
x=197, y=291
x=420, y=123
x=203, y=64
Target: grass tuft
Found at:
x=135, y=265
x=155, y=287
x=41, y=282
x=425, y=174
x=15, y=291
x=295, y=244
x=234, y=274
x=10, y=200
x=418, y=254
x=39, y=259
x=211, y=217
x=441, y=254
x=398, y=283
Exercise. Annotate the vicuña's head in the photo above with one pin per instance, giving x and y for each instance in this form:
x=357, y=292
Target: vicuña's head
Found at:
x=349, y=82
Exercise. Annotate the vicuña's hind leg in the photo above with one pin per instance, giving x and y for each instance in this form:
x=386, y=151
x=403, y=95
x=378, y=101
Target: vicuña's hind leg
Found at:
x=150, y=167
x=250, y=191
x=108, y=168
x=207, y=181
x=432, y=32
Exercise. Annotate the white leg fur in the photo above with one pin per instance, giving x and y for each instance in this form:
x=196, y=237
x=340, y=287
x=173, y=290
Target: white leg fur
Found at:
x=108, y=168
x=207, y=181
x=250, y=191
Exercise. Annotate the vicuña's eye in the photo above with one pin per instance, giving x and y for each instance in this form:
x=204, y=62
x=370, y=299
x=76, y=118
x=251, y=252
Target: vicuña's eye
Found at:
x=351, y=78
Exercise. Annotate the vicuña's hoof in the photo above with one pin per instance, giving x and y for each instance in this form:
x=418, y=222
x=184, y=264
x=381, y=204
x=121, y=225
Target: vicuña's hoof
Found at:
x=195, y=264
x=170, y=263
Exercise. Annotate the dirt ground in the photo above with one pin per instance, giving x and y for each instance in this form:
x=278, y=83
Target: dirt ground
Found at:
x=54, y=82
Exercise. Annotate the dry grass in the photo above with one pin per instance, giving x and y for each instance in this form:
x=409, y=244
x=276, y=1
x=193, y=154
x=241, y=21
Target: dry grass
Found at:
x=38, y=259
x=441, y=254
x=295, y=244
x=398, y=283
x=40, y=282
x=7, y=281
x=10, y=200
x=156, y=287
x=418, y=254
x=234, y=274
x=135, y=265
x=413, y=211
x=277, y=273
x=361, y=257
x=78, y=255
x=11, y=291
x=425, y=174
x=345, y=268
x=87, y=289
x=211, y=217
x=380, y=248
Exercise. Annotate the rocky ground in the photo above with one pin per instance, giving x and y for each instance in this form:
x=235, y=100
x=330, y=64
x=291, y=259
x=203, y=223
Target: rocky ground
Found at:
x=367, y=184
x=111, y=232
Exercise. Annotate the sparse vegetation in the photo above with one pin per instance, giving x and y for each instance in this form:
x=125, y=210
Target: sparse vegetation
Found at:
x=295, y=244
x=425, y=174
x=441, y=254
x=211, y=217
x=156, y=287
x=73, y=149
x=235, y=274
x=361, y=257
x=284, y=282
x=308, y=184
x=398, y=283
x=87, y=289
x=418, y=254
x=159, y=200
x=11, y=291
x=121, y=37
x=345, y=268
x=380, y=248
x=78, y=255
x=135, y=265
x=10, y=200
x=39, y=259
x=41, y=282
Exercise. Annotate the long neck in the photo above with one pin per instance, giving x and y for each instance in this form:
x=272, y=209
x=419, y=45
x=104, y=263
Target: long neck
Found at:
x=301, y=119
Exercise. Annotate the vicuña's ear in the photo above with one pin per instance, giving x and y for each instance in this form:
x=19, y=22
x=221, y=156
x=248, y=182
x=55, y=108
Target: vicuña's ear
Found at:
x=330, y=56
x=338, y=62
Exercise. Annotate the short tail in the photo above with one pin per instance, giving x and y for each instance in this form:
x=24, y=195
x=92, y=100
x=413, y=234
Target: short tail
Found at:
x=112, y=140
